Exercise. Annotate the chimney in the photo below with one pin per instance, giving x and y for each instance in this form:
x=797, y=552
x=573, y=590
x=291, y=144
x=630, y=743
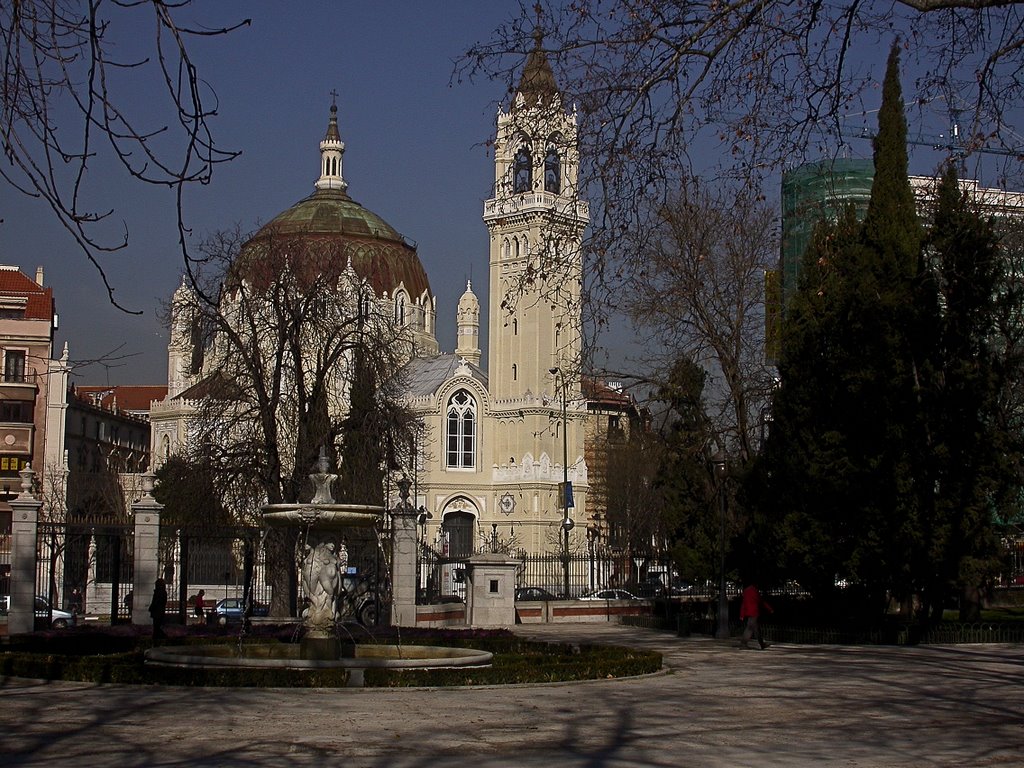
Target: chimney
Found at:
x=39, y=276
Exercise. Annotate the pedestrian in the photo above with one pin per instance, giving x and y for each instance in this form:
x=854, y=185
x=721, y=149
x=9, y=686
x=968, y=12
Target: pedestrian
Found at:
x=76, y=602
x=200, y=607
x=751, y=609
x=157, y=608
x=129, y=602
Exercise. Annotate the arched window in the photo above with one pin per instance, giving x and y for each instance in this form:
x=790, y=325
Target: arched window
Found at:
x=522, y=171
x=515, y=372
x=552, y=172
x=460, y=450
x=515, y=327
x=400, y=309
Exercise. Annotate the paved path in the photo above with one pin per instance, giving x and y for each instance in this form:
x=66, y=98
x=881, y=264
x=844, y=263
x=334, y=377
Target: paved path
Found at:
x=715, y=706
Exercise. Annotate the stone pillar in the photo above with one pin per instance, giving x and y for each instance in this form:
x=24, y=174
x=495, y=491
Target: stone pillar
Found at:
x=146, y=555
x=403, y=560
x=491, y=590
x=24, y=531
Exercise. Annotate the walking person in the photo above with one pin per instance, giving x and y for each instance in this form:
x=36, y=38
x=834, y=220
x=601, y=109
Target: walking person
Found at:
x=157, y=608
x=751, y=609
x=200, y=609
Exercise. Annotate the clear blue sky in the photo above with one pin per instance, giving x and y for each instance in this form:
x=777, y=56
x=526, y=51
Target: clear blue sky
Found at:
x=414, y=155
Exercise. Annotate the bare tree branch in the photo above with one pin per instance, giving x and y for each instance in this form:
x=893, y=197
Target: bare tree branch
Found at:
x=63, y=108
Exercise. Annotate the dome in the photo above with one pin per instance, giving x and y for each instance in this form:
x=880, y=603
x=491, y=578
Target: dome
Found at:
x=331, y=226
x=331, y=230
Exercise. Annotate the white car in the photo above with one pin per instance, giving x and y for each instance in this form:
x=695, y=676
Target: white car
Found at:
x=610, y=594
x=58, y=619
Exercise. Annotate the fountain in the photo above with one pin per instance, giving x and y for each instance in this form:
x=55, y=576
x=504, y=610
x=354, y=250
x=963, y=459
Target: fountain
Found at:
x=321, y=565
x=323, y=558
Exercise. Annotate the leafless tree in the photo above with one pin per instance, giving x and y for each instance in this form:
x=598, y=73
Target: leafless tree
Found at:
x=65, y=94
x=698, y=292
x=661, y=83
x=282, y=323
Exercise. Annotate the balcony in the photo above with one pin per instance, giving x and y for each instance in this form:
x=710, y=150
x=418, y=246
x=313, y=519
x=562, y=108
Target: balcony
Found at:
x=18, y=386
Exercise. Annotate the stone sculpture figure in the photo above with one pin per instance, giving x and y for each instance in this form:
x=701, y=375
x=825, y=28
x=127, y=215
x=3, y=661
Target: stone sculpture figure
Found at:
x=322, y=567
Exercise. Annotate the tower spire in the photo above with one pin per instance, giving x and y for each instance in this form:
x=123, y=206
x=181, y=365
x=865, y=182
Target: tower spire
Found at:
x=468, y=313
x=537, y=85
x=332, y=149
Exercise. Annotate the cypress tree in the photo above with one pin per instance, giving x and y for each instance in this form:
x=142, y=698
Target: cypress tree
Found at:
x=891, y=225
x=844, y=451
x=973, y=452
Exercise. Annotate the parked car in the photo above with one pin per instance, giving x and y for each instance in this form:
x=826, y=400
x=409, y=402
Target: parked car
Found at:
x=646, y=589
x=533, y=594
x=230, y=609
x=58, y=619
x=610, y=594
x=359, y=600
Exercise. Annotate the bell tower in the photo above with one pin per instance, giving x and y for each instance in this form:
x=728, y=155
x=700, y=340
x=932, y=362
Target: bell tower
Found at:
x=535, y=221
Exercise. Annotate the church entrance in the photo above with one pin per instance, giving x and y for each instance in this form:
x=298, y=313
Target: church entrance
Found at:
x=458, y=533
x=458, y=540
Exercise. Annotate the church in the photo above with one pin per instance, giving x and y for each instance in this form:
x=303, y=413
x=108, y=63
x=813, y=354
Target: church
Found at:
x=500, y=446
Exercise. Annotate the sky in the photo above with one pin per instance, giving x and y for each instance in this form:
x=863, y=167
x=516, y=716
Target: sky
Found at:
x=415, y=155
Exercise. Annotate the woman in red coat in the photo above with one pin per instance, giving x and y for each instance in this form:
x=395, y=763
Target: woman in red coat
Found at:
x=752, y=607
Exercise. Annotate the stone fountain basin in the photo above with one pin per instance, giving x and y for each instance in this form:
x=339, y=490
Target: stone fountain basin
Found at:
x=289, y=656
x=322, y=516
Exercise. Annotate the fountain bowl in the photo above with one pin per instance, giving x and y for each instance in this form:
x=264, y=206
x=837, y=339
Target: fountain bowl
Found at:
x=290, y=656
x=323, y=516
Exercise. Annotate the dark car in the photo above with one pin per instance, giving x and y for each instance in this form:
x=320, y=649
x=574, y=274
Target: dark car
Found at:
x=533, y=594
x=610, y=594
x=230, y=610
x=656, y=588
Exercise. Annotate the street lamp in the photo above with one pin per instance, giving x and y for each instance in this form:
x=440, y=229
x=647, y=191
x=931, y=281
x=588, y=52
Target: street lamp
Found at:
x=567, y=523
x=719, y=462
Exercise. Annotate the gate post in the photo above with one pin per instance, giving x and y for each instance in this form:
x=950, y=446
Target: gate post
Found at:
x=147, y=550
x=403, y=559
x=24, y=548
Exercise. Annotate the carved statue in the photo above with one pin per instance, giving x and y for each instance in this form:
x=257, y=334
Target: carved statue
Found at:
x=321, y=570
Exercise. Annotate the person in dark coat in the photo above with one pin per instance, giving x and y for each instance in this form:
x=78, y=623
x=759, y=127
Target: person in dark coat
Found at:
x=157, y=608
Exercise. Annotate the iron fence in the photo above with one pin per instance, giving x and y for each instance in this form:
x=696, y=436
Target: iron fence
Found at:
x=93, y=558
x=232, y=562
x=224, y=562
x=441, y=578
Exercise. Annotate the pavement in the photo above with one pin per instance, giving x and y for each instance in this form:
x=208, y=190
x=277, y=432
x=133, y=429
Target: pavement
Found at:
x=713, y=705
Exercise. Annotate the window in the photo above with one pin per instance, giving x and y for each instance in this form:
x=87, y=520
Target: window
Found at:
x=461, y=439
x=552, y=172
x=400, y=309
x=522, y=171
x=11, y=465
x=14, y=365
x=17, y=411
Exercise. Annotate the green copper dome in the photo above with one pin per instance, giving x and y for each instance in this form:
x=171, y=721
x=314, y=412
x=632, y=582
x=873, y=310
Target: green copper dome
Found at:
x=331, y=226
x=329, y=211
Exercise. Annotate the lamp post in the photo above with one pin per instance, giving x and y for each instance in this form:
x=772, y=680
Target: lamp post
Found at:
x=567, y=523
x=719, y=462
